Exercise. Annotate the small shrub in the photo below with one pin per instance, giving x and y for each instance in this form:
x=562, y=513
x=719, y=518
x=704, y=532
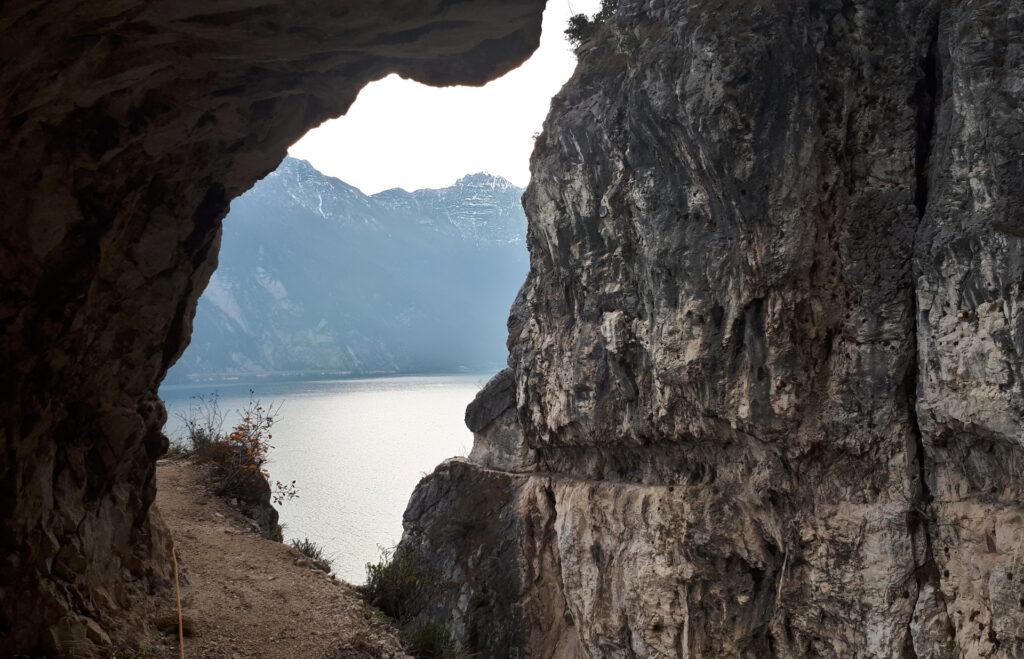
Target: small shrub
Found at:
x=310, y=549
x=398, y=584
x=430, y=639
x=281, y=492
x=581, y=27
x=203, y=422
x=240, y=456
x=275, y=533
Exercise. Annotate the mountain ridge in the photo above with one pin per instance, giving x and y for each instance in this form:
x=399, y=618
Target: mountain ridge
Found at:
x=318, y=278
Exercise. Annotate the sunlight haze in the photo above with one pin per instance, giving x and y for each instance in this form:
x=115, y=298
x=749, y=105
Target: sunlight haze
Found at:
x=400, y=133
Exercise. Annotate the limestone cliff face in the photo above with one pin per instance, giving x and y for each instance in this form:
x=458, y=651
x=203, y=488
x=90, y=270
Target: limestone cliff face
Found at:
x=765, y=391
x=127, y=127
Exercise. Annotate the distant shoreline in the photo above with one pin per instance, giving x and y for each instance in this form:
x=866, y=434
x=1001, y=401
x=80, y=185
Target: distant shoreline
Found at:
x=227, y=380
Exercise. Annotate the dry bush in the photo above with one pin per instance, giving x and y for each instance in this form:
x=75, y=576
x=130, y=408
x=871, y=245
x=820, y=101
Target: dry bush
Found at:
x=314, y=552
x=203, y=422
x=239, y=457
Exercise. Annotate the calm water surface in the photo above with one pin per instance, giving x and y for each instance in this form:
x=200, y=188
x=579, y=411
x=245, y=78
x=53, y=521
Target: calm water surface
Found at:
x=356, y=449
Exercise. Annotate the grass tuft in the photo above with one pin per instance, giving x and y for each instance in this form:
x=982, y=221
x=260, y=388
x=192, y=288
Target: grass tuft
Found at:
x=430, y=639
x=310, y=549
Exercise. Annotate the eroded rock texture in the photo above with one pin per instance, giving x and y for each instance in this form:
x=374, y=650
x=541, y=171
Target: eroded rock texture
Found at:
x=768, y=361
x=127, y=127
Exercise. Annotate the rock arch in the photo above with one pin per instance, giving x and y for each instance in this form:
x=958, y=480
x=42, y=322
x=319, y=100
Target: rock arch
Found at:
x=128, y=127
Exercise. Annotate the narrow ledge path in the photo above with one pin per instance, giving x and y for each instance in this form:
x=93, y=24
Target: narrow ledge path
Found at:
x=250, y=597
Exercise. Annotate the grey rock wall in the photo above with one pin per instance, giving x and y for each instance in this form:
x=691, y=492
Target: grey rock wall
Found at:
x=768, y=359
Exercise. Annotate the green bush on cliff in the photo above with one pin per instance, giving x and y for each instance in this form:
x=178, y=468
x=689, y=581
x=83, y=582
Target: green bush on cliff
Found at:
x=583, y=27
x=398, y=584
x=430, y=639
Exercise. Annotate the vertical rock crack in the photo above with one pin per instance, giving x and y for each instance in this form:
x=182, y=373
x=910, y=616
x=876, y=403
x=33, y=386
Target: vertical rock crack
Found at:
x=927, y=95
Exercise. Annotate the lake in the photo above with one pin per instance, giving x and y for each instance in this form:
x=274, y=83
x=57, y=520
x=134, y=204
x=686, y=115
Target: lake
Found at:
x=356, y=449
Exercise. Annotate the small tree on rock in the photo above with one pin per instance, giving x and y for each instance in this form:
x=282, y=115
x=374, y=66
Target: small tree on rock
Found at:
x=581, y=27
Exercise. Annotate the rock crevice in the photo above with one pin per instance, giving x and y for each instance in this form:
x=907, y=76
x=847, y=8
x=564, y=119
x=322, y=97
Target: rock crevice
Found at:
x=929, y=629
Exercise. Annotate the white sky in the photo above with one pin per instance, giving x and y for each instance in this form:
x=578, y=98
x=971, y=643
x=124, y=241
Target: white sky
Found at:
x=403, y=134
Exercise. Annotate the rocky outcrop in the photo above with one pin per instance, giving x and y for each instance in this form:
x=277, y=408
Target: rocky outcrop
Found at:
x=768, y=360
x=253, y=497
x=128, y=127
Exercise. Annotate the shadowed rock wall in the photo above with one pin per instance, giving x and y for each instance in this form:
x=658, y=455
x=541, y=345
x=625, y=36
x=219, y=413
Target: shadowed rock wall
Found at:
x=127, y=127
x=765, y=395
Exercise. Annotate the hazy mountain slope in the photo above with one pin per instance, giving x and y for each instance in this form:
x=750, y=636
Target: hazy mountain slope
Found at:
x=317, y=277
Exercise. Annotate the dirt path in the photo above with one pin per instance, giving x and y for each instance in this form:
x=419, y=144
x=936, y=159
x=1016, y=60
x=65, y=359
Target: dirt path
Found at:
x=247, y=596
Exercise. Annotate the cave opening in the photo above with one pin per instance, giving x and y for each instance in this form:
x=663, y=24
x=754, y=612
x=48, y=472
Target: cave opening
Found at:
x=362, y=292
x=129, y=132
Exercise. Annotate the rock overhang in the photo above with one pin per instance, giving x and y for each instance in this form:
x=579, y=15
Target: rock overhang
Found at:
x=128, y=127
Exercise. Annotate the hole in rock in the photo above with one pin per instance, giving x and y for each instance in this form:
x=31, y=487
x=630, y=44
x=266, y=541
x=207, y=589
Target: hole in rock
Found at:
x=363, y=289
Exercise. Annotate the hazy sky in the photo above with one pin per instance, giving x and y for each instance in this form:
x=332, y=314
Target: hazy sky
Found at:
x=403, y=134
